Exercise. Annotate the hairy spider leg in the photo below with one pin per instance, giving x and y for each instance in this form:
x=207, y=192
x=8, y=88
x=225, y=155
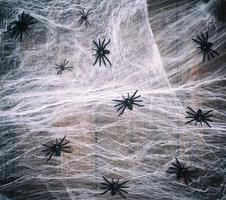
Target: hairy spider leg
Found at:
x=191, y=110
x=134, y=94
x=123, y=184
x=190, y=121
x=204, y=114
x=104, y=46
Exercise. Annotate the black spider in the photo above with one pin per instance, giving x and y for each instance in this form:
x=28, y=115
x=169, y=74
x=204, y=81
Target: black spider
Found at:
x=199, y=116
x=114, y=186
x=63, y=67
x=101, y=52
x=205, y=46
x=128, y=102
x=19, y=27
x=84, y=17
x=181, y=171
x=56, y=148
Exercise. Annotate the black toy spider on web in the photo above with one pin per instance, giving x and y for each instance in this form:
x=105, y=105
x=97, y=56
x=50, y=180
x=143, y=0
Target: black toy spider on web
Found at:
x=128, y=102
x=84, y=17
x=61, y=67
x=56, y=148
x=199, y=116
x=21, y=26
x=114, y=187
x=205, y=46
x=182, y=172
x=101, y=52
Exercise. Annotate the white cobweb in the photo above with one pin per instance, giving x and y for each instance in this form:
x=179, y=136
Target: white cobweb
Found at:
x=38, y=105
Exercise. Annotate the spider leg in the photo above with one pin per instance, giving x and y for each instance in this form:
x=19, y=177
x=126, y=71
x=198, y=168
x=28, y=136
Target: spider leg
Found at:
x=62, y=140
x=208, y=56
x=67, y=147
x=200, y=39
x=204, y=114
x=65, y=143
x=88, y=13
x=118, y=104
x=137, y=100
x=50, y=156
x=134, y=94
x=80, y=21
x=190, y=121
x=105, y=191
x=80, y=12
x=203, y=38
x=96, y=45
x=48, y=153
x=86, y=23
x=211, y=54
x=214, y=51
x=123, y=183
x=207, y=37
x=46, y=146
x=100, y=60
x=68, y=69
x=66, y=151
x=122, y=111
x=196, y=123
x=21, y=36
x=103, y=60
x=123, y=190
x=99, y=43
x=107, y=43
x=123, y=97
x=138, y=104
x=106, y=184
x=121, y=194
x=190, y=117
x=96, y=60
x=102, y=45
x=136, y=97
x=107, y=59
x=196, y=41
x=191, y=110
x=207, y=119
x=207, y=123
x=120, y=108
x=106, y=180
x=118, y=100
x=204, y=57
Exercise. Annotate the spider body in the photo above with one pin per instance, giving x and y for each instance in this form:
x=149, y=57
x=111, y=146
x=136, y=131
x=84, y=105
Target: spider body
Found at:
x=128, y=102
x=56, y=148
x=101, y=52
x=61, y=67
x=114, y=187
x=84, y=17
x=199, y=116
x=181, y=171
x=205, y=46
x=21, y=26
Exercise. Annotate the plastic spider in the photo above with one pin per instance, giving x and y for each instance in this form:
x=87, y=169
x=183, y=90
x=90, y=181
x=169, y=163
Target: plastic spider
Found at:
x=84, y=17
x=128, y=102
x=205, y=46
x=63, y=67
x=115, y=187
x=101, y=52
x=19, y=27
x=199, y=116
x=56, y=148
x=181, y=171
